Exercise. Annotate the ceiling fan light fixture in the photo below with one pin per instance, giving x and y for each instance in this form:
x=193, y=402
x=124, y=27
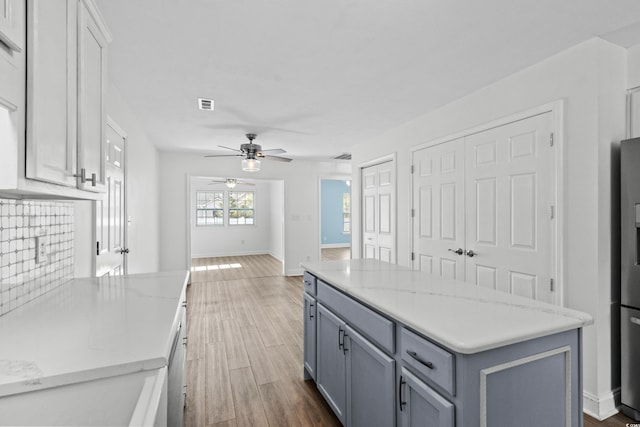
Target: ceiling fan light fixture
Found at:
x=230, y=182
x=250, y=165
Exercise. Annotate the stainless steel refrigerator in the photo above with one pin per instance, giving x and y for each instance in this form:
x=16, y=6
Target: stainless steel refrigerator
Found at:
x=630, y=275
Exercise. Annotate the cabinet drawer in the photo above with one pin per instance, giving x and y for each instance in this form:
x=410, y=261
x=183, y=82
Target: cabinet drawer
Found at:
x=378, y=328
x=309, y=282
x=428, y=360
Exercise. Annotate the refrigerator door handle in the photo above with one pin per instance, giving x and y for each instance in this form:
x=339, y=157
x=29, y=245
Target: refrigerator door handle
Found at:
x=635, y=320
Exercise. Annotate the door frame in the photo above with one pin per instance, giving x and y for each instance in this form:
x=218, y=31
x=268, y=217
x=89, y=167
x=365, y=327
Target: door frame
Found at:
x=556, y=108
x=333, y=177
x=392, y=157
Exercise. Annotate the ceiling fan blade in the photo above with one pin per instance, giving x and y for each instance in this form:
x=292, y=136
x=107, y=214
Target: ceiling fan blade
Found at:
x=244, y=183
x=229, y=148
x=224, y=155
x=277, y=158
x=275, y=151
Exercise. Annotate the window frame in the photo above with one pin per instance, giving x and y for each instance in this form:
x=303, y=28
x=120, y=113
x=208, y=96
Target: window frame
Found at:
x=346, y=213
x=205, y=210
x=237, y=209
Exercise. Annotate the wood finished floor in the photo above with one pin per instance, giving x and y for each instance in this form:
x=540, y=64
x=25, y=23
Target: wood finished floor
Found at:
x=333, y=254
x=244, y=351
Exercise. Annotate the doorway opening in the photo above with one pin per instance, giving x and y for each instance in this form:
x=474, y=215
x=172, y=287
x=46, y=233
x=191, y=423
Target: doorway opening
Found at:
x=335, y=219
x=235, y=217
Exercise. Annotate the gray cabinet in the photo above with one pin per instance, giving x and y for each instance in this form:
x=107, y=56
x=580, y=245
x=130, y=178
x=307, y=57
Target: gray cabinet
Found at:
x=370, y=380
x=309, y=322
x=331, y=362
x=420, y=405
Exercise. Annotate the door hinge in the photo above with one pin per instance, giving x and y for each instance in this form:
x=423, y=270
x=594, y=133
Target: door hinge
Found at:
x=413, y=256
x=411, y=168
x=552, y=212
x=551, y=140
x=98, y=248
x=552, y=285
x=413, y=213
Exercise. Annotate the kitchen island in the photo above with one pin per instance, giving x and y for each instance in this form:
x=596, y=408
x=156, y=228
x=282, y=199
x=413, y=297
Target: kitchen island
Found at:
x=96, y=351
x=387, y=345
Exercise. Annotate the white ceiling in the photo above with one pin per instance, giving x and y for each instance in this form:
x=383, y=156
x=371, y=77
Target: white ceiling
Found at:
x=316, y=77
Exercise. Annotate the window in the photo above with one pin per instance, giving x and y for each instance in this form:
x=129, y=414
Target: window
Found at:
x=346, y=213
x=241, y=208
x=209, y=208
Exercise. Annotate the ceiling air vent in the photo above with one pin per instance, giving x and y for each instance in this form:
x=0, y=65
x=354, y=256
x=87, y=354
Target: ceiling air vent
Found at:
x=205, y=104
x=345, y=156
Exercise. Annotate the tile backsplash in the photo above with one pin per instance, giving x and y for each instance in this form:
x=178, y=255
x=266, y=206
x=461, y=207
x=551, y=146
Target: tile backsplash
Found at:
x=21, y=223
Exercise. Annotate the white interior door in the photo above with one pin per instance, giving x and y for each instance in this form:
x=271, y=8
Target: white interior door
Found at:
x=489, y=194
x=379, y=212
x=110, y=210
x=509, y=190
x=438, y=221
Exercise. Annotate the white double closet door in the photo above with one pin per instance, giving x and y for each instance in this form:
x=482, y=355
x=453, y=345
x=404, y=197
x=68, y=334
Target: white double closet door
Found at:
x=483, y=208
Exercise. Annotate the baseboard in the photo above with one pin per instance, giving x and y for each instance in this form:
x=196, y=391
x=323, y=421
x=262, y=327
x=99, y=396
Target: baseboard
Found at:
x=601, y=407
x=278, y=257
x=335, y=245
x=220, y=254
x=294, y=272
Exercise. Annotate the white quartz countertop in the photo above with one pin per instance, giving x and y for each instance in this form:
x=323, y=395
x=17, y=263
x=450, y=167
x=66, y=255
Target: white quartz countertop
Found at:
x=90, y=328
x=462, y=317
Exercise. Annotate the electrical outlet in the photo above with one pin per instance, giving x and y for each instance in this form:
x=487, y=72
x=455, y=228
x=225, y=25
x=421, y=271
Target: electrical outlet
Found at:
x=42, y=248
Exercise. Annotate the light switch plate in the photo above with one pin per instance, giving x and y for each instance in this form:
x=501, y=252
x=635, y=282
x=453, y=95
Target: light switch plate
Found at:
x=42, y=249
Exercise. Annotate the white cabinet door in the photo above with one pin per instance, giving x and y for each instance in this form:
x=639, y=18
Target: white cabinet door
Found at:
x=92, y=68
x=483, y=208
x=379, y=212
x=51, y=91
x=12, y=24
x=438, y=194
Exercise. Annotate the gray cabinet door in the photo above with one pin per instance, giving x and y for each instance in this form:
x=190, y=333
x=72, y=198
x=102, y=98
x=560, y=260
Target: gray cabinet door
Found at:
x=370, y=383
x=331, y=361
x=420, y=405
x=309, y=336
x=176, y=380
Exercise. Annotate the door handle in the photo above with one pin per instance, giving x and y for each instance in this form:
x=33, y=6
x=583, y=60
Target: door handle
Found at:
x=471, y=254
x=458, y=251
x=123, y=251
x=340, y=338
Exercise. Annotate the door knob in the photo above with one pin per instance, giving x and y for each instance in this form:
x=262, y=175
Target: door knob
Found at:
x=458, y=251
x=124, y=251
x=471, y=254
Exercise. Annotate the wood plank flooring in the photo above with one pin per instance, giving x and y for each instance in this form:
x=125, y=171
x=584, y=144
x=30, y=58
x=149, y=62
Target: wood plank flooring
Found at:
x=244, y=351
x=334, y=254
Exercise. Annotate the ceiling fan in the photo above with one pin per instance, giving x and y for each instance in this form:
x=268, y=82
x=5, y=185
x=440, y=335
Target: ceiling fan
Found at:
x=230, y=182
x=251, y=153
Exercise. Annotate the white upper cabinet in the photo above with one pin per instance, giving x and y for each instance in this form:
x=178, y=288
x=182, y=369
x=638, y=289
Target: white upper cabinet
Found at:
x=63, y=115
x=66, y=78
x=12, y=24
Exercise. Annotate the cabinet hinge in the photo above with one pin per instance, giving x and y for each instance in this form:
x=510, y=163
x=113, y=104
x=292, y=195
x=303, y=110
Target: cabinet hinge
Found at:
x=552, y=212
x=551, y=140
x=552, y=285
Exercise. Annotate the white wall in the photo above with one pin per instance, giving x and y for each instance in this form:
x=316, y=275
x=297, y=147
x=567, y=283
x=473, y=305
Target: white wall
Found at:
x=590, y=79
x=300, y=203
x=142, y=193
x=276, y=230
x=228, y=240
x=633, y=74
